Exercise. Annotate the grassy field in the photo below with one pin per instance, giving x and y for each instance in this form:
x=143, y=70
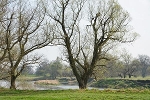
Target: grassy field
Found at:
x=128, y=94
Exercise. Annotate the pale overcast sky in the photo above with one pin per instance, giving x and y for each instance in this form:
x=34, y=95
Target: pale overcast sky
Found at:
x=139, y=11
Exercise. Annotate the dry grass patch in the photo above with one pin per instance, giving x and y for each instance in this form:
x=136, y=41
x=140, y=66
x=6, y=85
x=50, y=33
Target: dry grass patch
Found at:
x=47, y=82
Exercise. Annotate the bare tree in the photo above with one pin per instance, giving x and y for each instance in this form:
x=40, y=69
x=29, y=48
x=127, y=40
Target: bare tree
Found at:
x=129, y=64
x=25, y=31
x=3, y=8
x=145, y=63
x=108, y=24
x=135, y=67
x=3, y=62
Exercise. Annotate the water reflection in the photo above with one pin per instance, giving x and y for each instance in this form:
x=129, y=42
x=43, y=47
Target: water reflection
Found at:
x=4, y=83
x=56, y=87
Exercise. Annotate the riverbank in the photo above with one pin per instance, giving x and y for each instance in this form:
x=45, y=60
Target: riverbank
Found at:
x=121, y=83
x=63, y=83
x=30, y=85
x=94, y=94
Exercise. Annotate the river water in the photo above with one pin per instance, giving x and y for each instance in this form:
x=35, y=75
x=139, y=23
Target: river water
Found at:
x=29, y=85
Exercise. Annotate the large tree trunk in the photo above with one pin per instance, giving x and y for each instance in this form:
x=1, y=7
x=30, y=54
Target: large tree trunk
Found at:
x=12, y=82
x=83, y=80
x=82, y=84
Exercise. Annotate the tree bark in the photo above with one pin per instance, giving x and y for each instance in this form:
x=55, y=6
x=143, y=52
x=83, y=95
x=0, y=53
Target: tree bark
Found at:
x=12, y=82
x=82, y=84
x=83, y=80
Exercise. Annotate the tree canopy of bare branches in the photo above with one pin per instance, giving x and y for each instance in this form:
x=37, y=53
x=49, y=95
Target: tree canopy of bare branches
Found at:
x=85, y=45
x=23, y=29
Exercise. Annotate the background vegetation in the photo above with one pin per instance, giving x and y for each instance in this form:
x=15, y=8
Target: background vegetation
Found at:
x=122, y=83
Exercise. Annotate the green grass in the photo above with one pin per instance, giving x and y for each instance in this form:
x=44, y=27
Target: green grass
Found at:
x=129, y=94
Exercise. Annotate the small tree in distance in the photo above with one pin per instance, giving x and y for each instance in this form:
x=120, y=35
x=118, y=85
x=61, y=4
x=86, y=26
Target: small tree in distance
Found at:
x=144, y=63
x=50, y=70
x=129, y=66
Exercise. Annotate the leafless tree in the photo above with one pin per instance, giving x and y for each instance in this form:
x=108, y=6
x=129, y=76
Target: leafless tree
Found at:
x=24, y=31
x=3, y=62
x=129, y=64
x=108, y=24
x=3, y=8
x=145, y=63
